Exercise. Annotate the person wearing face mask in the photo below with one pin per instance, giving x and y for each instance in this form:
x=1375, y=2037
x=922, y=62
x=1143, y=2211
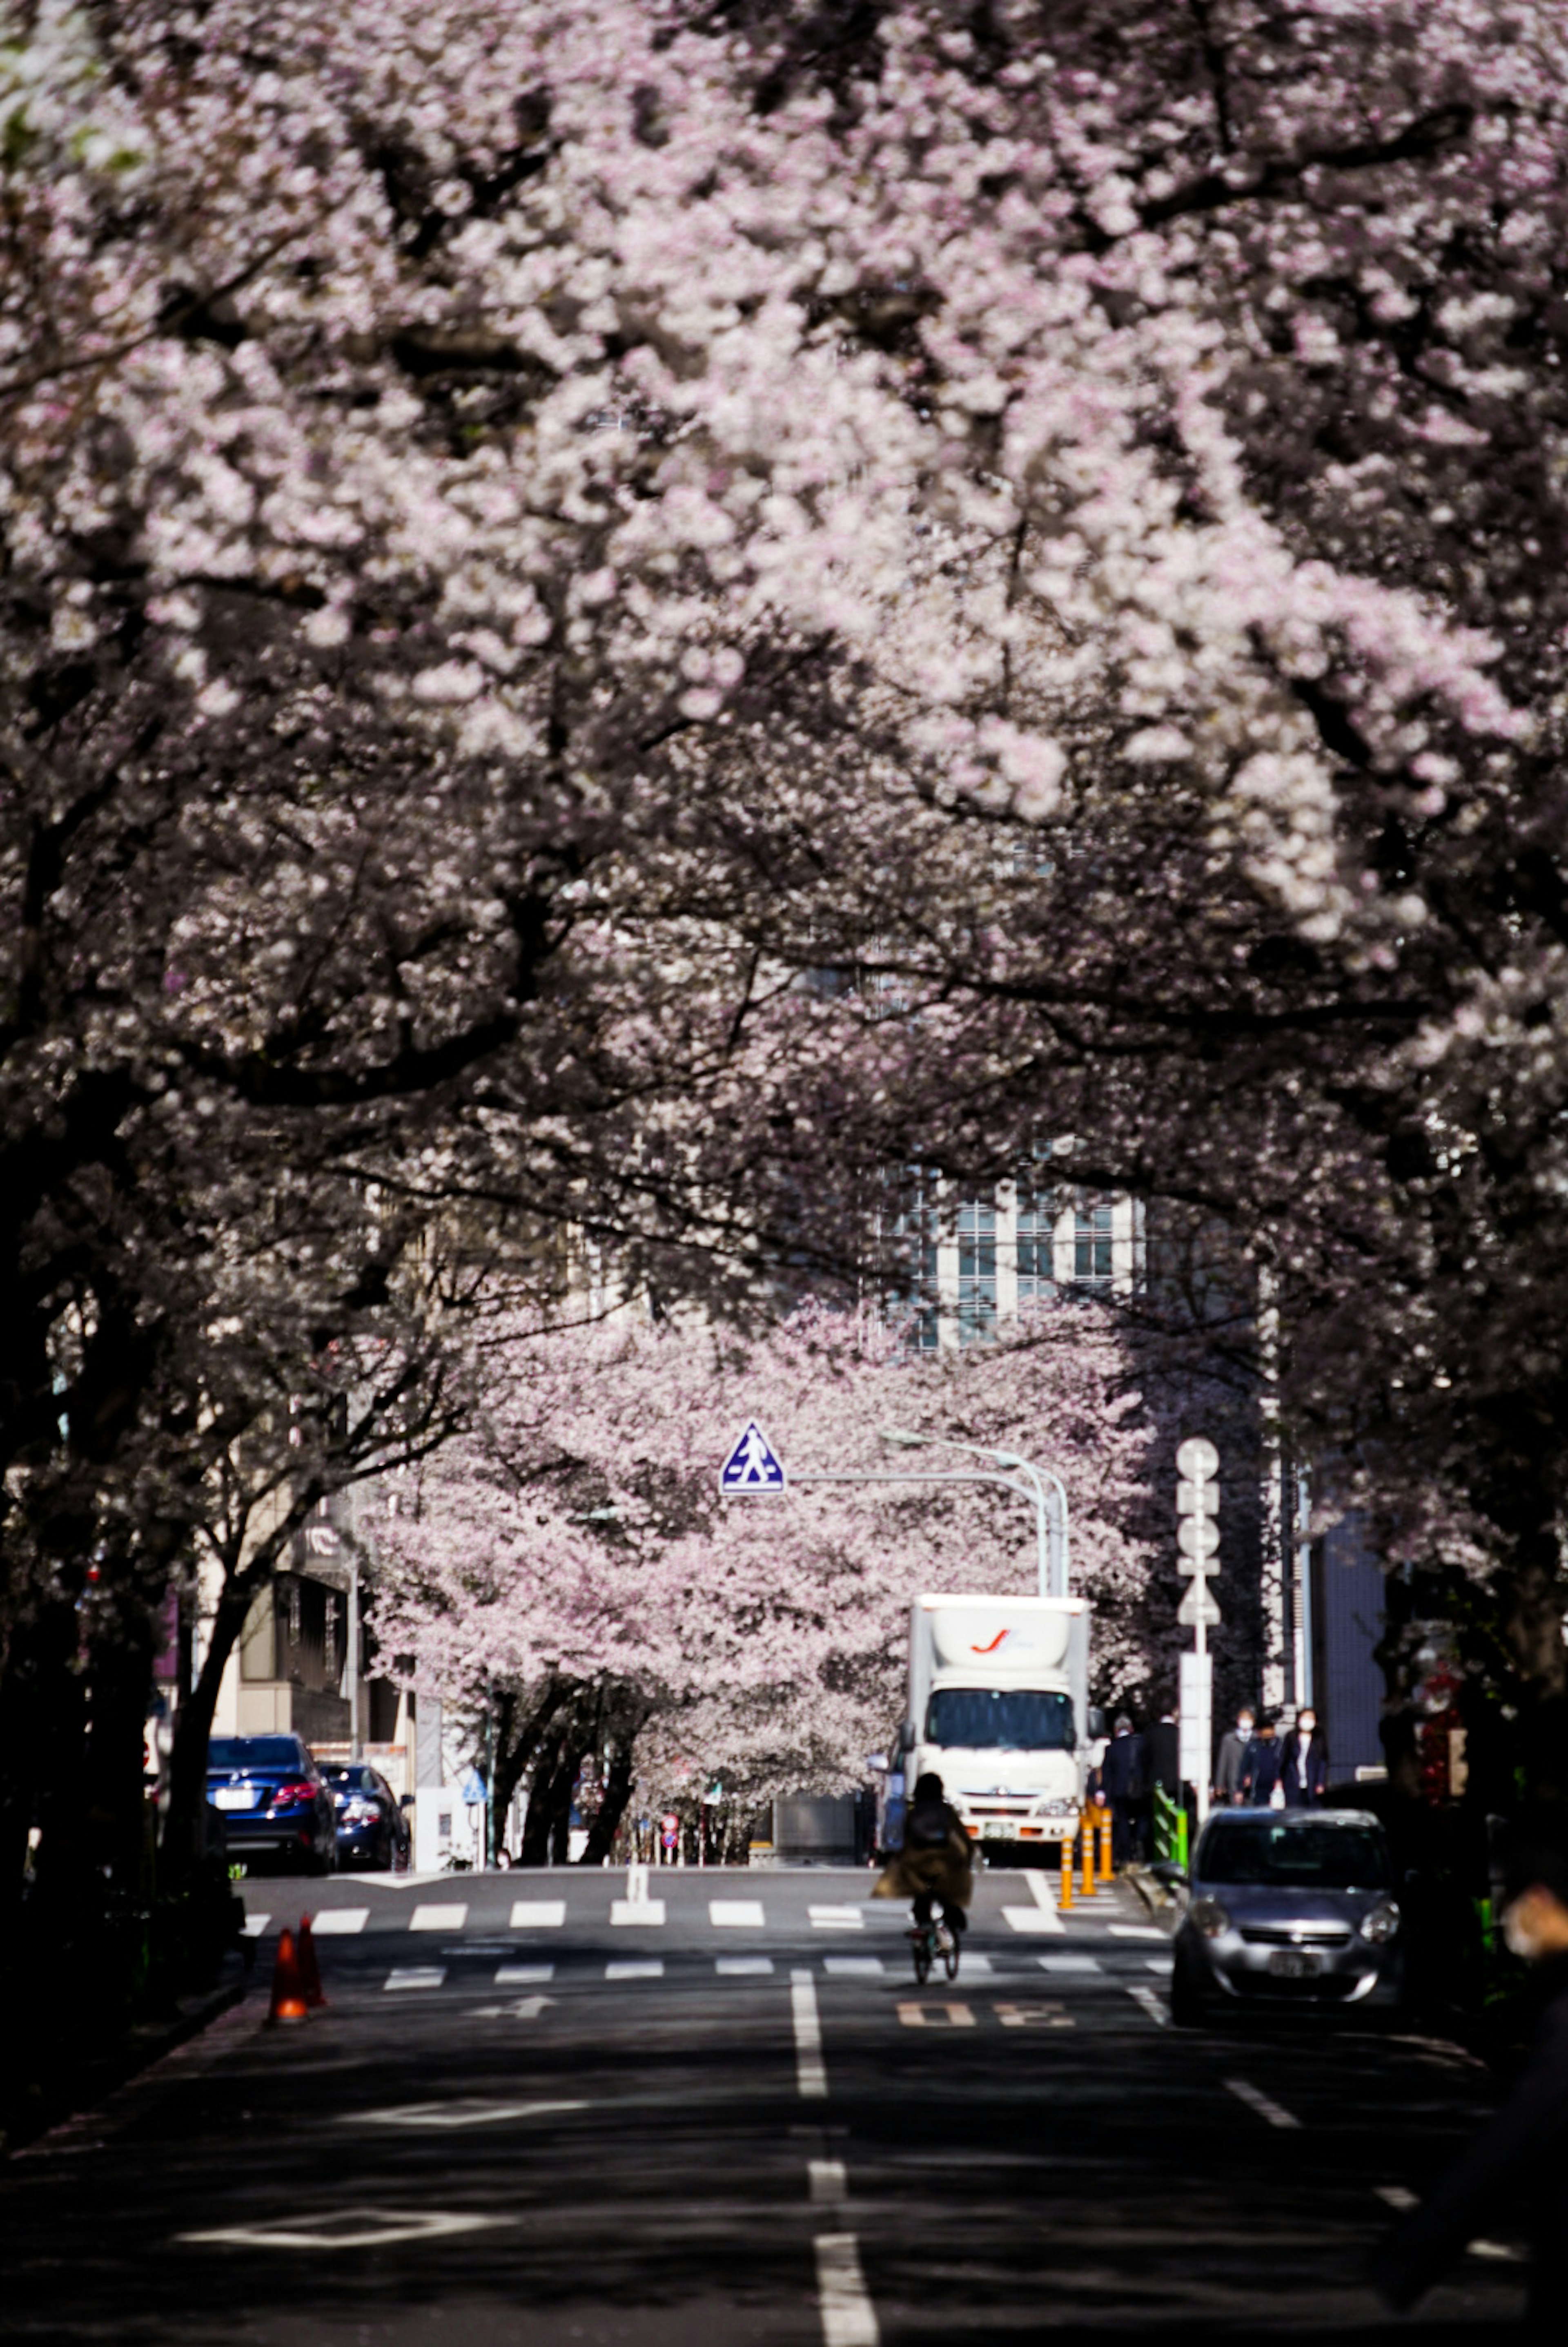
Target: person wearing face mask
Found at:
x=1515, y=2172
x=1231, y=1759
x=1303, y=1763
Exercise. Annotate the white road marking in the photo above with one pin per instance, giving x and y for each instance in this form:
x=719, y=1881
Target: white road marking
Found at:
x=924, y=2016
x=1397, y=2195
x=731, y=1967
x=1161, y=1964
x=1039, y=1890
x=466, y=2112
x=854, y=1967
x=736, y=1915
x=647, y=1914
x=449, y=1917
x=374, y=2227
x=849, y=2318
x=1151, y=2004
x=830, y=2183
x=1033, y=2016
x=538, y=1914
x=524, y=1975
x=638, y=1968
x=811, y=2070
x=978, y=1965
x=255, y=1925
x=1069, y=1963
x=334, y=1919
x=1135, y=1932
x=836, y=1919
x=527, y=2008
x=1033, y=1918
x=1257, y=2100
x=416, y=1977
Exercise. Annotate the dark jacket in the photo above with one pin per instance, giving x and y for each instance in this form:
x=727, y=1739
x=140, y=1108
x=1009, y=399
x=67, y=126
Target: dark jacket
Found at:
x=1260, y=1766
x=1162, y=1752
x=1514, y=2175
x=1305, y=1775
x=1122, y=1776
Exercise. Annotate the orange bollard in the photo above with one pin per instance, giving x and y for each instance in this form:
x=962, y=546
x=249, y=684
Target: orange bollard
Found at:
x=1064, y=1897
x=1104, y=1820
x=1087, y=1886
x=310, y=1970
x=288, y=1989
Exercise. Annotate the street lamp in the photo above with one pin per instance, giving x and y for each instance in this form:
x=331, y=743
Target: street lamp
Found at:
x=1050, y=1523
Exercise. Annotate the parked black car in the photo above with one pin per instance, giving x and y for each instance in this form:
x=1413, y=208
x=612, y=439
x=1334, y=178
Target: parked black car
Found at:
x=373, y=1831
x=273, y=1801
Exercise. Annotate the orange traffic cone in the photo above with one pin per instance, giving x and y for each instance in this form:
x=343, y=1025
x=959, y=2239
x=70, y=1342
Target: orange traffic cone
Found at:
x=310, y=1970
x=288, y=1989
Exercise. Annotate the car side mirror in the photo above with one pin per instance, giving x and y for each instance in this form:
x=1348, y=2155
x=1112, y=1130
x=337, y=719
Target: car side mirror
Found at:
x=908, y=1740
x=408, y=1802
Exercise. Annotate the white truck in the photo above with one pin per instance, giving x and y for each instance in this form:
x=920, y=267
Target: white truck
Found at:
x=999, y=1706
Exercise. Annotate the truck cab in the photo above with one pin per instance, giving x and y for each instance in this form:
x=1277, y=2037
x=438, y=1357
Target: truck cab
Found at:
x=999, y=1708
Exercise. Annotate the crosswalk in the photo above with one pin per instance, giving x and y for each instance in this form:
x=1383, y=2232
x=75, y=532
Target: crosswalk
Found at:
x=450, y=1916
x=973, y=1968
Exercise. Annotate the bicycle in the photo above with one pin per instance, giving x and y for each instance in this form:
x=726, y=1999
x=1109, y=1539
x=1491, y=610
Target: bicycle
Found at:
x=929, y=1942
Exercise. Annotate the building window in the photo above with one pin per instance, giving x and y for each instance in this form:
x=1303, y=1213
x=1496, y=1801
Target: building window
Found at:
x=976, y=1272
x=1091, y=1247
x=1037, y=1212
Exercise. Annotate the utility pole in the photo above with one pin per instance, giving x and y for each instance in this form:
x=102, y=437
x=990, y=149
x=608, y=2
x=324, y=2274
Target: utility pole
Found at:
x=1198, y=1537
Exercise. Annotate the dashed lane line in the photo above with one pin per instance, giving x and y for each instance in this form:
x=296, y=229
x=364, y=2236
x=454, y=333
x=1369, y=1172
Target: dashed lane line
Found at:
x=466, y=2111
x=735, y=1967
x=255, y=1925
x=1399, y=2197
x=810, y=2070
x=1034, y=1920
x=1150, y=2002
x=538, y=1914
x=849, y=2318
x=1134, y=1932
x=439, y=1916
x=1069, y=1963
x=637, y=1968
x=1257, y=2100
x=854, y=1967
x=644, y=1914
x=836, y=1919
x=415, y=1976
x=736, y=1915
x=830, y=2183
x=524, y=1975
x=335, y=1922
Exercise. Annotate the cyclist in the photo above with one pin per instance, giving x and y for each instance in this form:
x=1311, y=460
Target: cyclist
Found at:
x=937, y=1860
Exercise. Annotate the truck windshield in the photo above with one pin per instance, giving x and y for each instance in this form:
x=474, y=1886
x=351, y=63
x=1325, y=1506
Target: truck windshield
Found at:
x=1000, y=1719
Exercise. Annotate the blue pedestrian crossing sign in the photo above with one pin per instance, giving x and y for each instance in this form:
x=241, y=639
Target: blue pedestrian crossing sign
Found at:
x=753, y=1467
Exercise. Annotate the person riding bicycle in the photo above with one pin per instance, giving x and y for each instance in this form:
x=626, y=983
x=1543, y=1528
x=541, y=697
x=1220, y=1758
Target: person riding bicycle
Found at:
x=937, y=1860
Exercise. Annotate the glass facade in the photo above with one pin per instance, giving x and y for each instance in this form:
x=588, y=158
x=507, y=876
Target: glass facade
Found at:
x=976, y=1271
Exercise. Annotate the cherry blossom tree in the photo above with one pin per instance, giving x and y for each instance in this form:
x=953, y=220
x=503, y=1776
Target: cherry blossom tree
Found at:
x=578, y=1542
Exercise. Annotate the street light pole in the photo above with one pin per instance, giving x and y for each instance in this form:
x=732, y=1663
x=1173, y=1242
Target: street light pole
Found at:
x=1056, y=1572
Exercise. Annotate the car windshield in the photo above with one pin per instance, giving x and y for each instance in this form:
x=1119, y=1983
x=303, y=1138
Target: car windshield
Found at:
x=1000, y=1719
x=1317, y=1857
x=255, y=1752
x=356, y=1779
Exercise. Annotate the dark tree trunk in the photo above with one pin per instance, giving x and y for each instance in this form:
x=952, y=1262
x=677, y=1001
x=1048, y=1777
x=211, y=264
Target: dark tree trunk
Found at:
x=184, y=1822
x=613, y=1807
x=516, y=1747
x=536, y=1825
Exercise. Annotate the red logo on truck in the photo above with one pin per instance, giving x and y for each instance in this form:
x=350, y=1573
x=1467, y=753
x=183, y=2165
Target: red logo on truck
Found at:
x=994, y=1645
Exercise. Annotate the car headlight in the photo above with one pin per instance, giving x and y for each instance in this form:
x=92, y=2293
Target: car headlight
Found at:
x=1208, y=1917
x=1381, y=1924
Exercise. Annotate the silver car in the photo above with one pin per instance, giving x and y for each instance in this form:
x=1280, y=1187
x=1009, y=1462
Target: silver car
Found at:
x=1289, y=1907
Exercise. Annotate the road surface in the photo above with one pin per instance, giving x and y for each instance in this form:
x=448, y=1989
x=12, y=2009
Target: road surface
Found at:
x=539, y=2112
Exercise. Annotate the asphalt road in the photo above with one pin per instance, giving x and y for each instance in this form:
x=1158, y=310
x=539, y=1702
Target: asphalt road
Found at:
x=535, y=2113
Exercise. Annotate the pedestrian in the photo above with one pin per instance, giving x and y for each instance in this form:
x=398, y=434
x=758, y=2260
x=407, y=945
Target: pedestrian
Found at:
x=1122, y=1781
x=1162, y=1755
x=1231, y=1758
x=1516, y=2169
x=1260, y=1786
x=1303, y=1763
